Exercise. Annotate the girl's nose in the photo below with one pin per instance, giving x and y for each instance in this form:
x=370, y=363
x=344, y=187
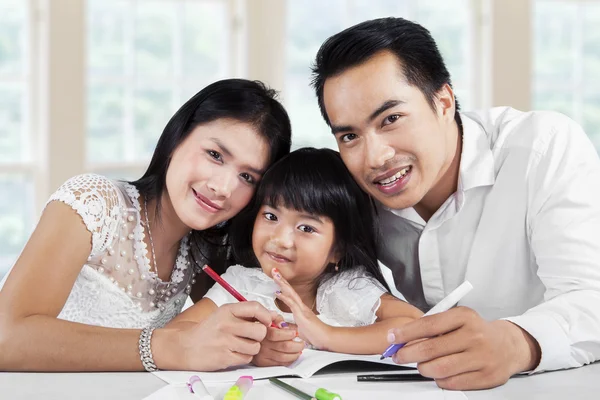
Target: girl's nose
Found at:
x=283, y=237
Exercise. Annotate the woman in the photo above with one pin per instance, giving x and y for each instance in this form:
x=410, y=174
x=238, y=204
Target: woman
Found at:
x=110, y=263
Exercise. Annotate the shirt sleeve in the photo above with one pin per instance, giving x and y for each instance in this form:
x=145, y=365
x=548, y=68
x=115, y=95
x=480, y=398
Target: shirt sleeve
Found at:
x=96, y=199
x=563, y=225
x=235, y=277
x=350, y=299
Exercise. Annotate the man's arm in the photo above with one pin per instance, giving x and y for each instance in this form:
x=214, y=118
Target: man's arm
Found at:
x=563, y=222
x=564, y=232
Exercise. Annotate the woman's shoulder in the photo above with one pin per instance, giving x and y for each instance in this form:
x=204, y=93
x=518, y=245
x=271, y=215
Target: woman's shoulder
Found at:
x=99, y=201
x=87, y=186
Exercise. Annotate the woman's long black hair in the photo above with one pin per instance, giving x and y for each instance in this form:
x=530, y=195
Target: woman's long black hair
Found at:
x=315, y=181
x=238, y=99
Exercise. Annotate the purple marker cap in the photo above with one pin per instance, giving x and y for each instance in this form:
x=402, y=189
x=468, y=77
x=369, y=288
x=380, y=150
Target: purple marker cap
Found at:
x=444, y=305
x=391, y=350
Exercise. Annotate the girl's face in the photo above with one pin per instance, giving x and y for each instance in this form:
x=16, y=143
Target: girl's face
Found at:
x=213, y=173
x=300, y=245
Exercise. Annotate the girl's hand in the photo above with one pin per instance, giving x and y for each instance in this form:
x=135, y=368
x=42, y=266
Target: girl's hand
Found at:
x=280, y=347
x=310, y=327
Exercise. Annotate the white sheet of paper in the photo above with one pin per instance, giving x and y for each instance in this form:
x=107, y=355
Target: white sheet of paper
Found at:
x=310, y=362
x=264, y=390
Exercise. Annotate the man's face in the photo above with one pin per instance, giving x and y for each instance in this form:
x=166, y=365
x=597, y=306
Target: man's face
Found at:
x=392, y=141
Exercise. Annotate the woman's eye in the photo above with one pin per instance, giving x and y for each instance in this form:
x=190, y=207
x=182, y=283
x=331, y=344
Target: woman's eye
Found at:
x=270, y=216
x=348, y=137
x=306, y=228
x=390, y=119
x=248, y=178
x=215, y=154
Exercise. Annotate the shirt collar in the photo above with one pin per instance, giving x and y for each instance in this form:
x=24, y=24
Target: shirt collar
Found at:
x=476, y=165
x=476, y=161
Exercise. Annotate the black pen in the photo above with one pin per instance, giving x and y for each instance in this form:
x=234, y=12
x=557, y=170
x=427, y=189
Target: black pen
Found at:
x=392, y=378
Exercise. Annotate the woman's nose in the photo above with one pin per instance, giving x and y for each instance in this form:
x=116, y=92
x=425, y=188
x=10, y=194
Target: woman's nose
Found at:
x=222, y=185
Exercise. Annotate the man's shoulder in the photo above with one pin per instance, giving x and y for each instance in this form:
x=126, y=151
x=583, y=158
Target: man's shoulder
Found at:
x=508, y=128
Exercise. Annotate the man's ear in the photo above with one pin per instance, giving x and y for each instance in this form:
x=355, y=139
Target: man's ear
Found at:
x=445, y=103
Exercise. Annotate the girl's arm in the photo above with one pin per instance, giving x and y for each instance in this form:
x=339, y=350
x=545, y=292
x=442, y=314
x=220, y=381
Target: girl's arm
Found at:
x=32, y=338
x=370, y=339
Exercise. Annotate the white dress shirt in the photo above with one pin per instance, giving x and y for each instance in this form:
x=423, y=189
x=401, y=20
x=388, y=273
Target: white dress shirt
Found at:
x=523, y=227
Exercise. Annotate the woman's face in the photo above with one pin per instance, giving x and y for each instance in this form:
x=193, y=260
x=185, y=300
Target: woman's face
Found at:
x=214, y=172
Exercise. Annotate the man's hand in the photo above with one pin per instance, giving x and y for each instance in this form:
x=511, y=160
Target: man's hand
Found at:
x=280, y=347
x=462, y=351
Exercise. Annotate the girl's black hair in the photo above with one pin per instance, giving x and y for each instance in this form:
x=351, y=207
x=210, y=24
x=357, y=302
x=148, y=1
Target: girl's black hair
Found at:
x=237, y=99
x=315, y=181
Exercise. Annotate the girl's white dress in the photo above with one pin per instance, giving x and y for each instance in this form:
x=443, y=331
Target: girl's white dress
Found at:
x=115, y=287
x=348, y=299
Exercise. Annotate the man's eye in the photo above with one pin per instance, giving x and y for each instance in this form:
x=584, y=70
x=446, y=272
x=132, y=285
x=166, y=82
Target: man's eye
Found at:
x=348, y=137
x=391, y=119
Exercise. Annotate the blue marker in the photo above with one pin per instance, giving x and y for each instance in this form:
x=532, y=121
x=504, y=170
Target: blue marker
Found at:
x=444, y=305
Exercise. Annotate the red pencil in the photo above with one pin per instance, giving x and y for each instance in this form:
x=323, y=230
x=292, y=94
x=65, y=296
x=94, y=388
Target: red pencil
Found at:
x=226, y=286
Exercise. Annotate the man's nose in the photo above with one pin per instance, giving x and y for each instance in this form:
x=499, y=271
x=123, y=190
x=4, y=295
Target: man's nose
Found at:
x=378, y=151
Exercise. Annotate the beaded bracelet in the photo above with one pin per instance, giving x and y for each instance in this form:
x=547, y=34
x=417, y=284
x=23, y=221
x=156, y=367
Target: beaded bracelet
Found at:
x=146, y=350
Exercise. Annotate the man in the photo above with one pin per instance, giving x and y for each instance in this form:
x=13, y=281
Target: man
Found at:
x=507, y=200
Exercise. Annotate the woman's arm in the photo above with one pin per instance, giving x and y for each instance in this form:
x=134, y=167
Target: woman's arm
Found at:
x=33, y=339
x=194, y=314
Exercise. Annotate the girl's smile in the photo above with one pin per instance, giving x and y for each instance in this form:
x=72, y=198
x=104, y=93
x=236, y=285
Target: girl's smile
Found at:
x=299, y=244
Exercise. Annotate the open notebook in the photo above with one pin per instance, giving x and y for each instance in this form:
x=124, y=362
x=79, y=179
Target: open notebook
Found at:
x=309, y=363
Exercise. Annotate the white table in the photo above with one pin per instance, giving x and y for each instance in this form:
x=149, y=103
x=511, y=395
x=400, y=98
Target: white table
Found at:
x=581, y=383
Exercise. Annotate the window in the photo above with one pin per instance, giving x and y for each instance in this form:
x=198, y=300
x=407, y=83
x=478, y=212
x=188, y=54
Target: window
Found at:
x=145, y=59
x=16, y=169
x=311, y=22
x=567, y=61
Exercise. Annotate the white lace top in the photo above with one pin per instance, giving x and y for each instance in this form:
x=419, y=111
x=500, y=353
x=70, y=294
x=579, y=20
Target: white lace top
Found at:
x=116, y=287
x=348, y=299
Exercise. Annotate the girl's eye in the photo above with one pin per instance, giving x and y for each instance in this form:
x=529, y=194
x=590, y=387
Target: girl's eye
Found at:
x=307, y=228
x=247, y=177
x=348, y=137
x=390, y=119
x=215, y=154
x=270, y=216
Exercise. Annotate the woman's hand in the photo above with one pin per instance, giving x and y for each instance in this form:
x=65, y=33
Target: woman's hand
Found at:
x=310, y=327
x=230, y=336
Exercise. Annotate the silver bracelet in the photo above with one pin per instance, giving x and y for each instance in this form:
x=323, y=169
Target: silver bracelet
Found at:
x=146, y=350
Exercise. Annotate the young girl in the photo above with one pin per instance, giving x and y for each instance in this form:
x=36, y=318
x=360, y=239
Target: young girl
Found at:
x=110, y=261
x=307, y=244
